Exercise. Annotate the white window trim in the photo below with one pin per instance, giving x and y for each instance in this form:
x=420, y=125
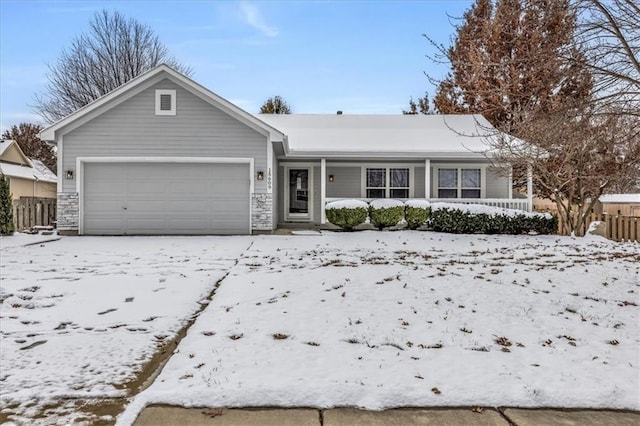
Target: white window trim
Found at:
x=172, y=93
x=298, y=217
x=363, y=177
x=459, y=167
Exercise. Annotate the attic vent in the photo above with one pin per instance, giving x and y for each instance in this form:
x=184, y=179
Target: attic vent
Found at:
x=165, y=102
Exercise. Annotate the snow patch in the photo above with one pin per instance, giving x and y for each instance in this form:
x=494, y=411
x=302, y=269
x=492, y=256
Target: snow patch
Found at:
x=419, y=204
x=385, y=203
x=348, y=204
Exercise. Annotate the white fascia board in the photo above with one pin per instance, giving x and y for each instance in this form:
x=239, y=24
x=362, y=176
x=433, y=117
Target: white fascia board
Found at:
x=360, y=154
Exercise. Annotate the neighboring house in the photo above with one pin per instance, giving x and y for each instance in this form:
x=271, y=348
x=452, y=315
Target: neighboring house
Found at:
x=164, y=155
x=620, y=204
x=28, y=178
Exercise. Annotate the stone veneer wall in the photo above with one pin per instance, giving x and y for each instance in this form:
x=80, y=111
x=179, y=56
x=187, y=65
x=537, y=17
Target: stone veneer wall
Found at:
x=68, y=211
x=262, y=212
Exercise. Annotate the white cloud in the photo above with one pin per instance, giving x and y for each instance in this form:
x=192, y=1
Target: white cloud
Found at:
x=253, y=18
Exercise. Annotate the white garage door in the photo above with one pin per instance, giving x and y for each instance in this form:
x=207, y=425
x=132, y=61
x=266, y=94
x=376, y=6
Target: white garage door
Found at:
x=165, y=198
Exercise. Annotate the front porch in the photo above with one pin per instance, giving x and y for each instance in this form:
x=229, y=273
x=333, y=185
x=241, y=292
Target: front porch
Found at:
x=305, y=187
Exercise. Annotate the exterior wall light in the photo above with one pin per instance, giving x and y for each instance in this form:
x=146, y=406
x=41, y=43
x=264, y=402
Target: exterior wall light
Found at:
x=260, y=175
x=68, y=174
x=330, y=178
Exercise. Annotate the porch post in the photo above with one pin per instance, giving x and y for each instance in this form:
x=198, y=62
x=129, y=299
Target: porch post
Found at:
x=427, y=178
x=529, y=188
x=323, y=190
x=510, y=189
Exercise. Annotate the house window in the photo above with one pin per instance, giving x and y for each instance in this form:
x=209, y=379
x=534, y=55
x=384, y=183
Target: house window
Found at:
x=165, y=102
x=387, y=182
x=459, y=183
x=470, y=183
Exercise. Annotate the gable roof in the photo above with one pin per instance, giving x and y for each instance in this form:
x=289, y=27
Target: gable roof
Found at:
x=142, y=82
x=5, y=146
x=435, y=136
x=32, y=169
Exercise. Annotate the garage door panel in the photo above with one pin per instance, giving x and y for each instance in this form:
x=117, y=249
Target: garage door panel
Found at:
x=186, y=187
x=171, y=198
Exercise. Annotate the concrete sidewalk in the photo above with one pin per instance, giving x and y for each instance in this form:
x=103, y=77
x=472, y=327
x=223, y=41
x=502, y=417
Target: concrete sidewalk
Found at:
x=170, y=416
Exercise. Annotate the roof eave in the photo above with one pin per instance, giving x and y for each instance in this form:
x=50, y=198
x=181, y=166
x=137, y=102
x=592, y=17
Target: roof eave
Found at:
x=386, y=154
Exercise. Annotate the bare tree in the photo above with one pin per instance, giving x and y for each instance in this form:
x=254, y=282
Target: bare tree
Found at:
x=113, y=51
x=26, y=136
x=275, y=105
x=576, y=155
x=609, y=33
x=420, y=107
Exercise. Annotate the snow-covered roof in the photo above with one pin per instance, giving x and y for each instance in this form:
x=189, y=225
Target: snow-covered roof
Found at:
x=38, y=172
x=16, y=170
x=42, y=172
x=620, y=198
x=457, y=136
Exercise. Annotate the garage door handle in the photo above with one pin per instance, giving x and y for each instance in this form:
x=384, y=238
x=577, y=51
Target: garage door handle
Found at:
x=124, y=208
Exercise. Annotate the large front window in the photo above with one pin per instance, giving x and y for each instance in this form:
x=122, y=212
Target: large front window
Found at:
x=387, y=182
x=459, y=183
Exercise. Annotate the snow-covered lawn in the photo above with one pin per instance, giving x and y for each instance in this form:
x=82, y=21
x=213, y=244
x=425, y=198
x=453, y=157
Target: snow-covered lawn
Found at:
x=80, y=317
x=388, y=319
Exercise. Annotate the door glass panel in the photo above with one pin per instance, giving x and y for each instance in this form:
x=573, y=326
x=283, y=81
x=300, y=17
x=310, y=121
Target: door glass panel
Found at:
x=299, y=191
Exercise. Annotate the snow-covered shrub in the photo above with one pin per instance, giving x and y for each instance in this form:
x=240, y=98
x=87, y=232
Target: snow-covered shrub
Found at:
x=384, y=212
x=416, y=213
x=347, y=214
x=472, y=219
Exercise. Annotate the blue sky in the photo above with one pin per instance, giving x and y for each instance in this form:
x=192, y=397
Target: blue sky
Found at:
x=323, y=56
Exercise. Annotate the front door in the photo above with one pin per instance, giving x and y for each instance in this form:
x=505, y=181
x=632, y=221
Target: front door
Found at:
x=299, y=194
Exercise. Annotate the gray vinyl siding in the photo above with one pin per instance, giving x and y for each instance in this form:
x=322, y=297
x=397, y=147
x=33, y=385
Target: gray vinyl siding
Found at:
x=346, y=182
x=131, y=129
x=497, y=183
x=280, y=195
x=316, y=195
x=418, y=179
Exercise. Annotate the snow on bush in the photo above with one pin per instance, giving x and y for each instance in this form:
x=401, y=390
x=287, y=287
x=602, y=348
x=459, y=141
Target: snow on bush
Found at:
x=385, y=203
x=385, y=212
x=489, y=210
x=348, y=204
x=422, y=204
x=347, y=214
x=416, y=213
x=474, y=218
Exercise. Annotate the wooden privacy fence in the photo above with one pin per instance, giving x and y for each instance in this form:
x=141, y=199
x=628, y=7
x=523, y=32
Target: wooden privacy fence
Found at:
x=33, y=211
x=618, y=228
